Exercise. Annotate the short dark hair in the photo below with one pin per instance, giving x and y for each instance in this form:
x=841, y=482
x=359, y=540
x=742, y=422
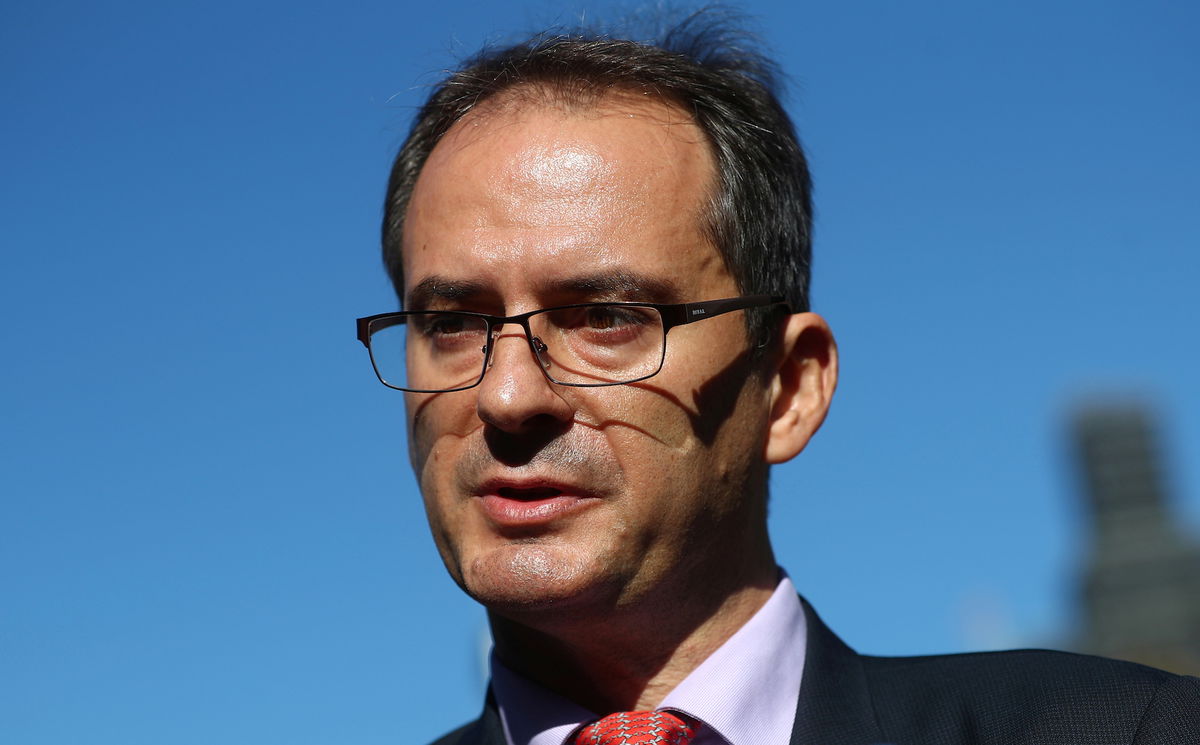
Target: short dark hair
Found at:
x=760, y=211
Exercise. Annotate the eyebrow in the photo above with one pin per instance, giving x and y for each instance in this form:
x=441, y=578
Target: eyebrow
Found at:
x=622, y=284
x=612, y=285
x=436, y=287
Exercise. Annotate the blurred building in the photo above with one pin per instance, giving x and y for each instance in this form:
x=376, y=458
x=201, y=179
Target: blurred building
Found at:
x=1141, y=581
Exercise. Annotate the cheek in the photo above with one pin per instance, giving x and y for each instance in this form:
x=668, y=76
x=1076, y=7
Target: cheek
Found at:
x=654, y=442
x=654, y=414
x=688, y=437
x=434, y=426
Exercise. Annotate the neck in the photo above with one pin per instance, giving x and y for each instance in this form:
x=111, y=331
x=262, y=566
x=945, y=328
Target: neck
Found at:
x=630, y=656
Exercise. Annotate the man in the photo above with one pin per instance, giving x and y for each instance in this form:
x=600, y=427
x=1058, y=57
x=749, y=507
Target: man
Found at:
x=602, y=248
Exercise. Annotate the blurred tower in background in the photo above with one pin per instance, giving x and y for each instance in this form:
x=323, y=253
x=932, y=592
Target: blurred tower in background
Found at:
x=1141, y=583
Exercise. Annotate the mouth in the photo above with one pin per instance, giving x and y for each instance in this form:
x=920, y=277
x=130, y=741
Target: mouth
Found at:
x=531, y=494
x=530, y=504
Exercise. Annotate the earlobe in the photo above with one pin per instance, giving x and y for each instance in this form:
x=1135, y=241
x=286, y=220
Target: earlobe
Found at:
x=805, y=377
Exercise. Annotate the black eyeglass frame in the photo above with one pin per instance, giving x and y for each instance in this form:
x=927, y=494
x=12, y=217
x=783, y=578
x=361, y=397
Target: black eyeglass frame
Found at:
x=672, y=314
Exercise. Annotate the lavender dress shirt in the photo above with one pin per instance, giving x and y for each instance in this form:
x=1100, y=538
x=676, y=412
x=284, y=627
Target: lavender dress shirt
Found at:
x=745, y=693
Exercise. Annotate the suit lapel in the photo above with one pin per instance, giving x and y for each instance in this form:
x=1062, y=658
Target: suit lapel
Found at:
x=835, y=703
x=486, y=730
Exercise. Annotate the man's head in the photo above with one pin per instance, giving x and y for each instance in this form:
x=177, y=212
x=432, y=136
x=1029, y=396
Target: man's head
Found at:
x=576, y=182
x=758, y=209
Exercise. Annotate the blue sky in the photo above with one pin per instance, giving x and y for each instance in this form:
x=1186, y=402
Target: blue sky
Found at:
x=208, y=529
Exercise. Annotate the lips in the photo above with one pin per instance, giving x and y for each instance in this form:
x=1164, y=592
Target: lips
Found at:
x=531, y=494
x=530, y=504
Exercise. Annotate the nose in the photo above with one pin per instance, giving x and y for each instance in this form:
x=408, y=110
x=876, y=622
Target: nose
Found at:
x=515, y=395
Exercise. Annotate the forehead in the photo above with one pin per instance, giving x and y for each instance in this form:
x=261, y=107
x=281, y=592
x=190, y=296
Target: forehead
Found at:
x=547, y=190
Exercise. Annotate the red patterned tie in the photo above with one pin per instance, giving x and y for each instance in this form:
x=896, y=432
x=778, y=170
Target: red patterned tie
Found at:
x=637, y=728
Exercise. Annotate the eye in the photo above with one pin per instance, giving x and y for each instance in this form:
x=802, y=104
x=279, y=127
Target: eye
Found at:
x=443, y=325
x=606, y=317
x=446, y=328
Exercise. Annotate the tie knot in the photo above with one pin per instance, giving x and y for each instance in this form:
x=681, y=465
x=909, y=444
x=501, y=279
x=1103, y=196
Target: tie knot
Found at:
x=637, y=728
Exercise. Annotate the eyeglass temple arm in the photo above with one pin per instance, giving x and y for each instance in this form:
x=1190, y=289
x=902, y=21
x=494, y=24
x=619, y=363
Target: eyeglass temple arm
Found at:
x=678, y=315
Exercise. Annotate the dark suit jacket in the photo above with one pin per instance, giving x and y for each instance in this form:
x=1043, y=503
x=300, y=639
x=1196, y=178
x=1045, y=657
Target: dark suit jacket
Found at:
x=1031, y=697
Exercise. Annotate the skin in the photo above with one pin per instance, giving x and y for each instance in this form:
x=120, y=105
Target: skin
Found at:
x=652, y=548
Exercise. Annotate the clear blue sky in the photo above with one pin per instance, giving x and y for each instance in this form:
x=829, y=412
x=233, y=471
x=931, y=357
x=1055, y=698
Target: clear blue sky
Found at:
x=208, y=529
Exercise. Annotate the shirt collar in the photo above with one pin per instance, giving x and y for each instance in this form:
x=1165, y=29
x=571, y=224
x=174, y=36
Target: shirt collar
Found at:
x=745, y=692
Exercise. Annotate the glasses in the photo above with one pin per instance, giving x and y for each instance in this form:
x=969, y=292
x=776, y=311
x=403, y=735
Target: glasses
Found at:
x=583, y=345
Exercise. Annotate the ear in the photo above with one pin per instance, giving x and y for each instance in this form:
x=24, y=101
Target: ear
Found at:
x=805, y=376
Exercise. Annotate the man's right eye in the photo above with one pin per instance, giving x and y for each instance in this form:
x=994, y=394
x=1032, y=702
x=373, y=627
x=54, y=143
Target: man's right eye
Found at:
x=443, y=325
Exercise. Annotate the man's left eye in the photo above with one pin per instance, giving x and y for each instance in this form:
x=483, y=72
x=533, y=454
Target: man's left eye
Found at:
x=601, y=318
x=614, y=317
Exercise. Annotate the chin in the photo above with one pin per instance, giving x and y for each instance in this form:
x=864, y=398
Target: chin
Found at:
x=526, y=577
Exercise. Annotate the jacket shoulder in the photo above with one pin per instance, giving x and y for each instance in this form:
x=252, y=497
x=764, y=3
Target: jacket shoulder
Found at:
x=1032, y=696
x=486, y=730
x=457, y=736
x=1174, y=715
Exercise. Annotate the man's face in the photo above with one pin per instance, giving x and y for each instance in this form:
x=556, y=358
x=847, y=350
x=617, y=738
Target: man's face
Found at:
x=544, y=495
